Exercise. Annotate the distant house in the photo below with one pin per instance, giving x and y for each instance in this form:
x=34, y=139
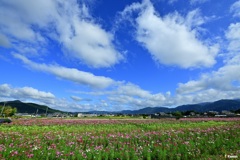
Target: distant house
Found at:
x=225, y=113
x=214, y=112
x=228, y=113
x=161, y=115
x=220, y=115
x=57, y=114
x=86, y=115
x=211, y=113
x=192, y=113
x=49, y=115
x=24, y=115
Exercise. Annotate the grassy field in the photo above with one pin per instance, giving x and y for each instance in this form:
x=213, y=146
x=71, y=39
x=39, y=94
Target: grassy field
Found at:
x=130, y=139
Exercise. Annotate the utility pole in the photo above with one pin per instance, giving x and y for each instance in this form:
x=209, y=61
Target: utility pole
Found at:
x=3, y=108
x=36, y=113
x=46, y=111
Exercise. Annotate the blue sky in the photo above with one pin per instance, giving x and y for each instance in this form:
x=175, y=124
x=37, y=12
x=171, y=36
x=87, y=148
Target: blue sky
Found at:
x=82, y=55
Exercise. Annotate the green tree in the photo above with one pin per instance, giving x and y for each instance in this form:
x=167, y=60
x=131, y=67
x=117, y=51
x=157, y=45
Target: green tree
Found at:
x=178, y=114
x=8, y=111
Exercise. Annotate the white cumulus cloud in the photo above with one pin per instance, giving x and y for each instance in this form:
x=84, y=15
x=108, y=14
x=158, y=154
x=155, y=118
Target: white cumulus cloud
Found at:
x=34, y=23
x=172, y=39
x=134, y=96
x=25, y=93
x=235, y=9
x=223, y=83
x=93, y=45
x=72, y=74
x=233, y=36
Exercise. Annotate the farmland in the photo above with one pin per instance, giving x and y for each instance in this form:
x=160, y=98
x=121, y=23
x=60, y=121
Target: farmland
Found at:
x=212, y=138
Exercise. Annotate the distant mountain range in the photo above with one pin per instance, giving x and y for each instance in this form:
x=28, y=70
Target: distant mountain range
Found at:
x=29, y=107
x=230, y=105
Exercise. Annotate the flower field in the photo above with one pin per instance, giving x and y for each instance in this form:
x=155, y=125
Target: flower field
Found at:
x=73, y=139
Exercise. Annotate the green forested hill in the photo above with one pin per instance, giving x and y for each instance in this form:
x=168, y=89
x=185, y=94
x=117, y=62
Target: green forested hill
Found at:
x=29, y=107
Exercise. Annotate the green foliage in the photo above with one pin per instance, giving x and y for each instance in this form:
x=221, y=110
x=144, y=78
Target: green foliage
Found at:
x=8, y=111
x=237, y=111
x=178, y=114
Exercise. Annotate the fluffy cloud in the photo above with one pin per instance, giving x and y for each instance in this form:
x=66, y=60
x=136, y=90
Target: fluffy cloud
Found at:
x=207, y=95
x=223, y=83
x=72, y=74
x=132, y=90
x=223, y=79
x=4, y=42
x=127, y=95
x=20, y=17
x=66, y=22
x=132, y=95
x=78, y=99
x=75, y=98
x=25, y=93
x=29, y=94
x=93, y=45
x=235, y=9
x=172, y=39
x=233, y=36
